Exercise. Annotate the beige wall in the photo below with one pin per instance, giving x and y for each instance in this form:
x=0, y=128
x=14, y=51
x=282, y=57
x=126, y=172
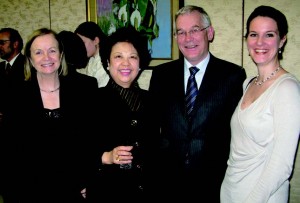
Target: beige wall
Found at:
x=28, y=15
x=226, y=16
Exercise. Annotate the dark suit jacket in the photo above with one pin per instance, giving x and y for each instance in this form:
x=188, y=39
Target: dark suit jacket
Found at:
x=15, y=77
x=194, y=154
x=17, y=69
x=47, y=155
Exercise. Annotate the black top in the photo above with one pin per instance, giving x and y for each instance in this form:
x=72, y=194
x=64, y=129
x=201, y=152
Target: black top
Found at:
x=44, y=150
x=126, y=119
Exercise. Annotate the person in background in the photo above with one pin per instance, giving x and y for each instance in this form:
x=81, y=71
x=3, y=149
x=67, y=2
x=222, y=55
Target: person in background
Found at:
x=48, y=162
x=195, y=145
x=11, y=45
x=266, y=123
x=76, y=58
x=95, y=42
x=128, y=138
x=11, y=74
x=12, y=68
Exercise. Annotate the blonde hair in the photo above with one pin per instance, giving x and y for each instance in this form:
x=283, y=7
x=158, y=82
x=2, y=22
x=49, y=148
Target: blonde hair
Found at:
x=63, y=69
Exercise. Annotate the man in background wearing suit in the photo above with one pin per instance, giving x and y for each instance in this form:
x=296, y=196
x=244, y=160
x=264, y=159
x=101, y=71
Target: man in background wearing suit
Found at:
x=195, y=146
x=12, y=66
x=11, y=45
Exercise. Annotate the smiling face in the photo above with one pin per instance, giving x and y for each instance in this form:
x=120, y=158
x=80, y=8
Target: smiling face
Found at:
x=124, y=64
x=263, y=40
x=45, y=55
x=194, y=46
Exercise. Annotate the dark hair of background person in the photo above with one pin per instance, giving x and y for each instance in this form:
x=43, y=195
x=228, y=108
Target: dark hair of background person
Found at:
x=276, y=15
x=137, y=39
x=91, y=30
x=14, y=37
x=74, y=49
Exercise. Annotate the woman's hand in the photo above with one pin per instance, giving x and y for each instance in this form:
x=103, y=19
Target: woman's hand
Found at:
x=119, y=155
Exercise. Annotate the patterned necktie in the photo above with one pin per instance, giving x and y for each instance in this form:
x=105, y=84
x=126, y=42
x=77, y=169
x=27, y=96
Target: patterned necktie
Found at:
x=191, y=91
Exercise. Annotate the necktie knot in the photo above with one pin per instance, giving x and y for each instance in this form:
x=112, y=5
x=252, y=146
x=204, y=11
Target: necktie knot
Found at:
x=193, y=70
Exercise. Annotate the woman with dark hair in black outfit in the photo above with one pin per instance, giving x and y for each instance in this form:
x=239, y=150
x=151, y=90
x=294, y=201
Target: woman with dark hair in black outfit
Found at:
x=127, y=141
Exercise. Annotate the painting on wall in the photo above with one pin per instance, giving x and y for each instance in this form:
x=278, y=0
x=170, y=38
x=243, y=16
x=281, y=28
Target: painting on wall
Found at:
x=151, y=17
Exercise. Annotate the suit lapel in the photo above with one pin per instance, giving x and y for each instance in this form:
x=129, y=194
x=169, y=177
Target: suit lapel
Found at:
x=179, y=82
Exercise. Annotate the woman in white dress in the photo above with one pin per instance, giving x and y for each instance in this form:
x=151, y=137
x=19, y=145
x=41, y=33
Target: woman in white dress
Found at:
x=266, y=123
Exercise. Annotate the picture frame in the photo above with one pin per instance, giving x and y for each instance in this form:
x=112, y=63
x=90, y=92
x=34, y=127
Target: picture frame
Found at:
x=167, y=49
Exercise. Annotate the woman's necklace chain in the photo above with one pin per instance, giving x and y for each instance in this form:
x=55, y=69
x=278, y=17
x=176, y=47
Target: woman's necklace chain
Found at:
x=268, y=78
x=50, y=91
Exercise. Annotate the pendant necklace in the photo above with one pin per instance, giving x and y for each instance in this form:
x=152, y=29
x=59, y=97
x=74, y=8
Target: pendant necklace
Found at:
x=50, y=91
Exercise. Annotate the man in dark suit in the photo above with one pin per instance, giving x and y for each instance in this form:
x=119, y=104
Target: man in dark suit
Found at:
x=11, y=45
x=11, y=74
x=12, y=66
x=195, y=147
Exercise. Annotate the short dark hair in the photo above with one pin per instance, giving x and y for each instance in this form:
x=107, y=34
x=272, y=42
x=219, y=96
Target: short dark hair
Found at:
x=138, y=40
x=14, y=36
x=276, y=15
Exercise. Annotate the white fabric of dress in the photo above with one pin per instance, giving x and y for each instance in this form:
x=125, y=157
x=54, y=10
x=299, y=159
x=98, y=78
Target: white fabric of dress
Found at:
x=95, y=69
x=263, y=145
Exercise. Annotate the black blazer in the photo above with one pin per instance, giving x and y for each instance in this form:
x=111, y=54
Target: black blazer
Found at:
x=121, y=126
x=43, y=155
x=196, y=153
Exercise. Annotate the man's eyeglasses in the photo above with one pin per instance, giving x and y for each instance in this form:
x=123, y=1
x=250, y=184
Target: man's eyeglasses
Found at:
x=180, y=34
x=2, y=42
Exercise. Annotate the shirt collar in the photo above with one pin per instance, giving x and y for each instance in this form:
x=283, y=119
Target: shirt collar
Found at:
x=13, y=60
x=202, y=65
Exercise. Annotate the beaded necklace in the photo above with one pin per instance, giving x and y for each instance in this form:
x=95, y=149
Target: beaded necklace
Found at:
x=268, y=78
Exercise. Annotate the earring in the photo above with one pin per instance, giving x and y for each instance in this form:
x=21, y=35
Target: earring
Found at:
x=107, y=68
x=279, y=50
